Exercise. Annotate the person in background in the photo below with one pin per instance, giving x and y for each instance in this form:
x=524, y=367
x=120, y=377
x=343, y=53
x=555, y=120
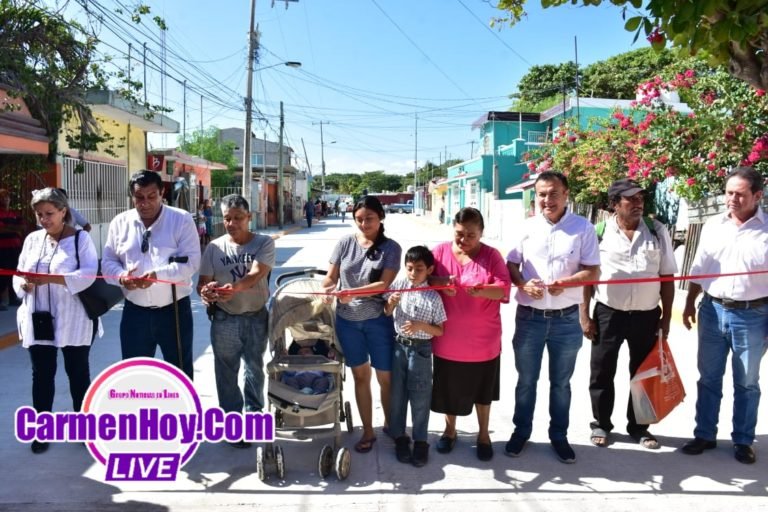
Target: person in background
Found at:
x=153, y=242
x=733, y=315
x=201, y=223
x=208, y=212
x=12, y=231
x=309, y=212
x=419, y=316
x=365, y=263
x=467, y=356
x=234, y=284
x=51, y=316
x=631, y=246
x=343, y=208
x=552, y=252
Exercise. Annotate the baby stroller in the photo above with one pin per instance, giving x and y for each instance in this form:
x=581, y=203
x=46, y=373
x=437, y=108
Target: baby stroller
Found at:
x=306, y=373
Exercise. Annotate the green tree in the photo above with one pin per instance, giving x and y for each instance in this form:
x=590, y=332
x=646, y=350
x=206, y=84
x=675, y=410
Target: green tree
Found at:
x=734, y=34
x=50, y=63
x=342, y=183
x=208, y=144
x=542, y=83
x=618, y=76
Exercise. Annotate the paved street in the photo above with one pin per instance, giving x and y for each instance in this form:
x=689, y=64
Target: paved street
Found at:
x=219, y=477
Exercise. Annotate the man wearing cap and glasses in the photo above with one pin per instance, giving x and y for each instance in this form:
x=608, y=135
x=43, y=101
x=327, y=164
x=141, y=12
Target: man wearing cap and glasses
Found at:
x=631, y=246
x=153, y=242
x=733, y=315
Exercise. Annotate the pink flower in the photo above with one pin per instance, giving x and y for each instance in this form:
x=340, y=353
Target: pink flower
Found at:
x=690, y=181
x=712, y=155
x=721, y=173
x=711, y=167
x=531, y=166
x=753, y=157
x=691, y=115
x=759, y=92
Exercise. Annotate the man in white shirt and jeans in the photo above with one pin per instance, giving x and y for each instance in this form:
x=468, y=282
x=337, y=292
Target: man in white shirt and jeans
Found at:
x=631, y=246
x=552, y=252
x=150, y=242
x=733, y=315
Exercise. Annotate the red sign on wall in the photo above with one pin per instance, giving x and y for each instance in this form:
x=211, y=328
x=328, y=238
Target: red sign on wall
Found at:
x=155, y=162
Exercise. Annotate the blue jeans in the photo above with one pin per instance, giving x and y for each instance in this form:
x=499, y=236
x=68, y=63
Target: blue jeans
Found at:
x=411, y=382
x=234, y=337
x=721, y=330
x=142, y=330
x=563, y=337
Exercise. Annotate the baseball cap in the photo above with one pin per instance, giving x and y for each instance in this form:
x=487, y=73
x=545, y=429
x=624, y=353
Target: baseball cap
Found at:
x=624, y=188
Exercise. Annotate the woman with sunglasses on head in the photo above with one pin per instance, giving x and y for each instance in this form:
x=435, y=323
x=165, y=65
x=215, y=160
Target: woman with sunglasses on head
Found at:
x=51, y=316
x=365, y=264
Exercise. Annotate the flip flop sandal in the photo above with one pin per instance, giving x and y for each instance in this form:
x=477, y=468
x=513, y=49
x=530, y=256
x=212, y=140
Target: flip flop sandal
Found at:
x=647, y=441
x=365, y=445
x=598, y=435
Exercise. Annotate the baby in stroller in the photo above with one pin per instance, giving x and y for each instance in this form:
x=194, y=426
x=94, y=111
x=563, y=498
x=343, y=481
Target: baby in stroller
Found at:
x=310, y=382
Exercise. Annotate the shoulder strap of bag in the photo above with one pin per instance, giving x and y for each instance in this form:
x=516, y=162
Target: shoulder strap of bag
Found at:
x=77, y=247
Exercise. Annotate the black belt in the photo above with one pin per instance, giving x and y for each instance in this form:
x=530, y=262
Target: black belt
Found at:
x=551, y=313
x=739, y=304
x=409, y=342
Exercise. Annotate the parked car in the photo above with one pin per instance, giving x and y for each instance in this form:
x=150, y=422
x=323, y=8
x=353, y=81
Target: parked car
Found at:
x=399, y=207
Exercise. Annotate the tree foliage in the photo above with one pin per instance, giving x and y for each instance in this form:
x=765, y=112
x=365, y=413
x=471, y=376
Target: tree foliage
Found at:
x=618, y=76
x=208, y=144
x=542, y=83
x=50, y=62
x=734, y=34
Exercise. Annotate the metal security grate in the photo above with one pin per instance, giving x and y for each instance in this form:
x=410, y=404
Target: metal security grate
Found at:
x=100, y=192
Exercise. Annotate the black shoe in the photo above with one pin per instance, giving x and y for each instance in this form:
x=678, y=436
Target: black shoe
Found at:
x=446, y=444
x=564, y=452
x=403, y=449
x=240, y=444
x=420, y=453
x=515, y=446
x=697, y=445
x=744, y=453
x=38, y=447
x=484, y=451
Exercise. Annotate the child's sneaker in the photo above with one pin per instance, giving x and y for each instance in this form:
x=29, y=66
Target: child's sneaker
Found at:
x=403, y=449
x=420, y=453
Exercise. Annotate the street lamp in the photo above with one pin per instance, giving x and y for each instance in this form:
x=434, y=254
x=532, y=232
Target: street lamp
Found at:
x=247, y=162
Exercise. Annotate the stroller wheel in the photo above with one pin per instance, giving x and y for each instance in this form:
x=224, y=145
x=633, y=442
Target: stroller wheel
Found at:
x=280, y=462
x=348, y=416
x=325, y=462
x=343, y=464
x=260, y=463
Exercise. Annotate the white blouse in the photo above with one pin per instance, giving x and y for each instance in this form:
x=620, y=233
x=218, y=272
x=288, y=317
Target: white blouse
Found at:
x=43, y=254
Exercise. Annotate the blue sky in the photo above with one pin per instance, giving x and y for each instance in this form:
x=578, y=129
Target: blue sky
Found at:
x=368, y=67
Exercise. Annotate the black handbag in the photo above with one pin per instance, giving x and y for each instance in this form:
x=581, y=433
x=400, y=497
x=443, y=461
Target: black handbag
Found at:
x=98, y=298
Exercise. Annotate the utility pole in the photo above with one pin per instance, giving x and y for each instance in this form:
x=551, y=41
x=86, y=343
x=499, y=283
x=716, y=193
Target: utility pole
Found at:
x=471, y=148
x=247, y=168
x=415, y=161
x=280, y=213
x=576, y=55
x=184, y=129
x=144, y=65
x=322, y=155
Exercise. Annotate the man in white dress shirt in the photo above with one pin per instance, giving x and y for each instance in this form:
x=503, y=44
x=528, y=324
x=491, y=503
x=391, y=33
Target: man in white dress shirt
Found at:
x=733, y=315
x=631, y=246
x=153, y=241
x=552, y=251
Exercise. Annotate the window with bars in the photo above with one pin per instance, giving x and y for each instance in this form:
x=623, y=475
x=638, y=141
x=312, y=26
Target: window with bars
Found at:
x=100, y=192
